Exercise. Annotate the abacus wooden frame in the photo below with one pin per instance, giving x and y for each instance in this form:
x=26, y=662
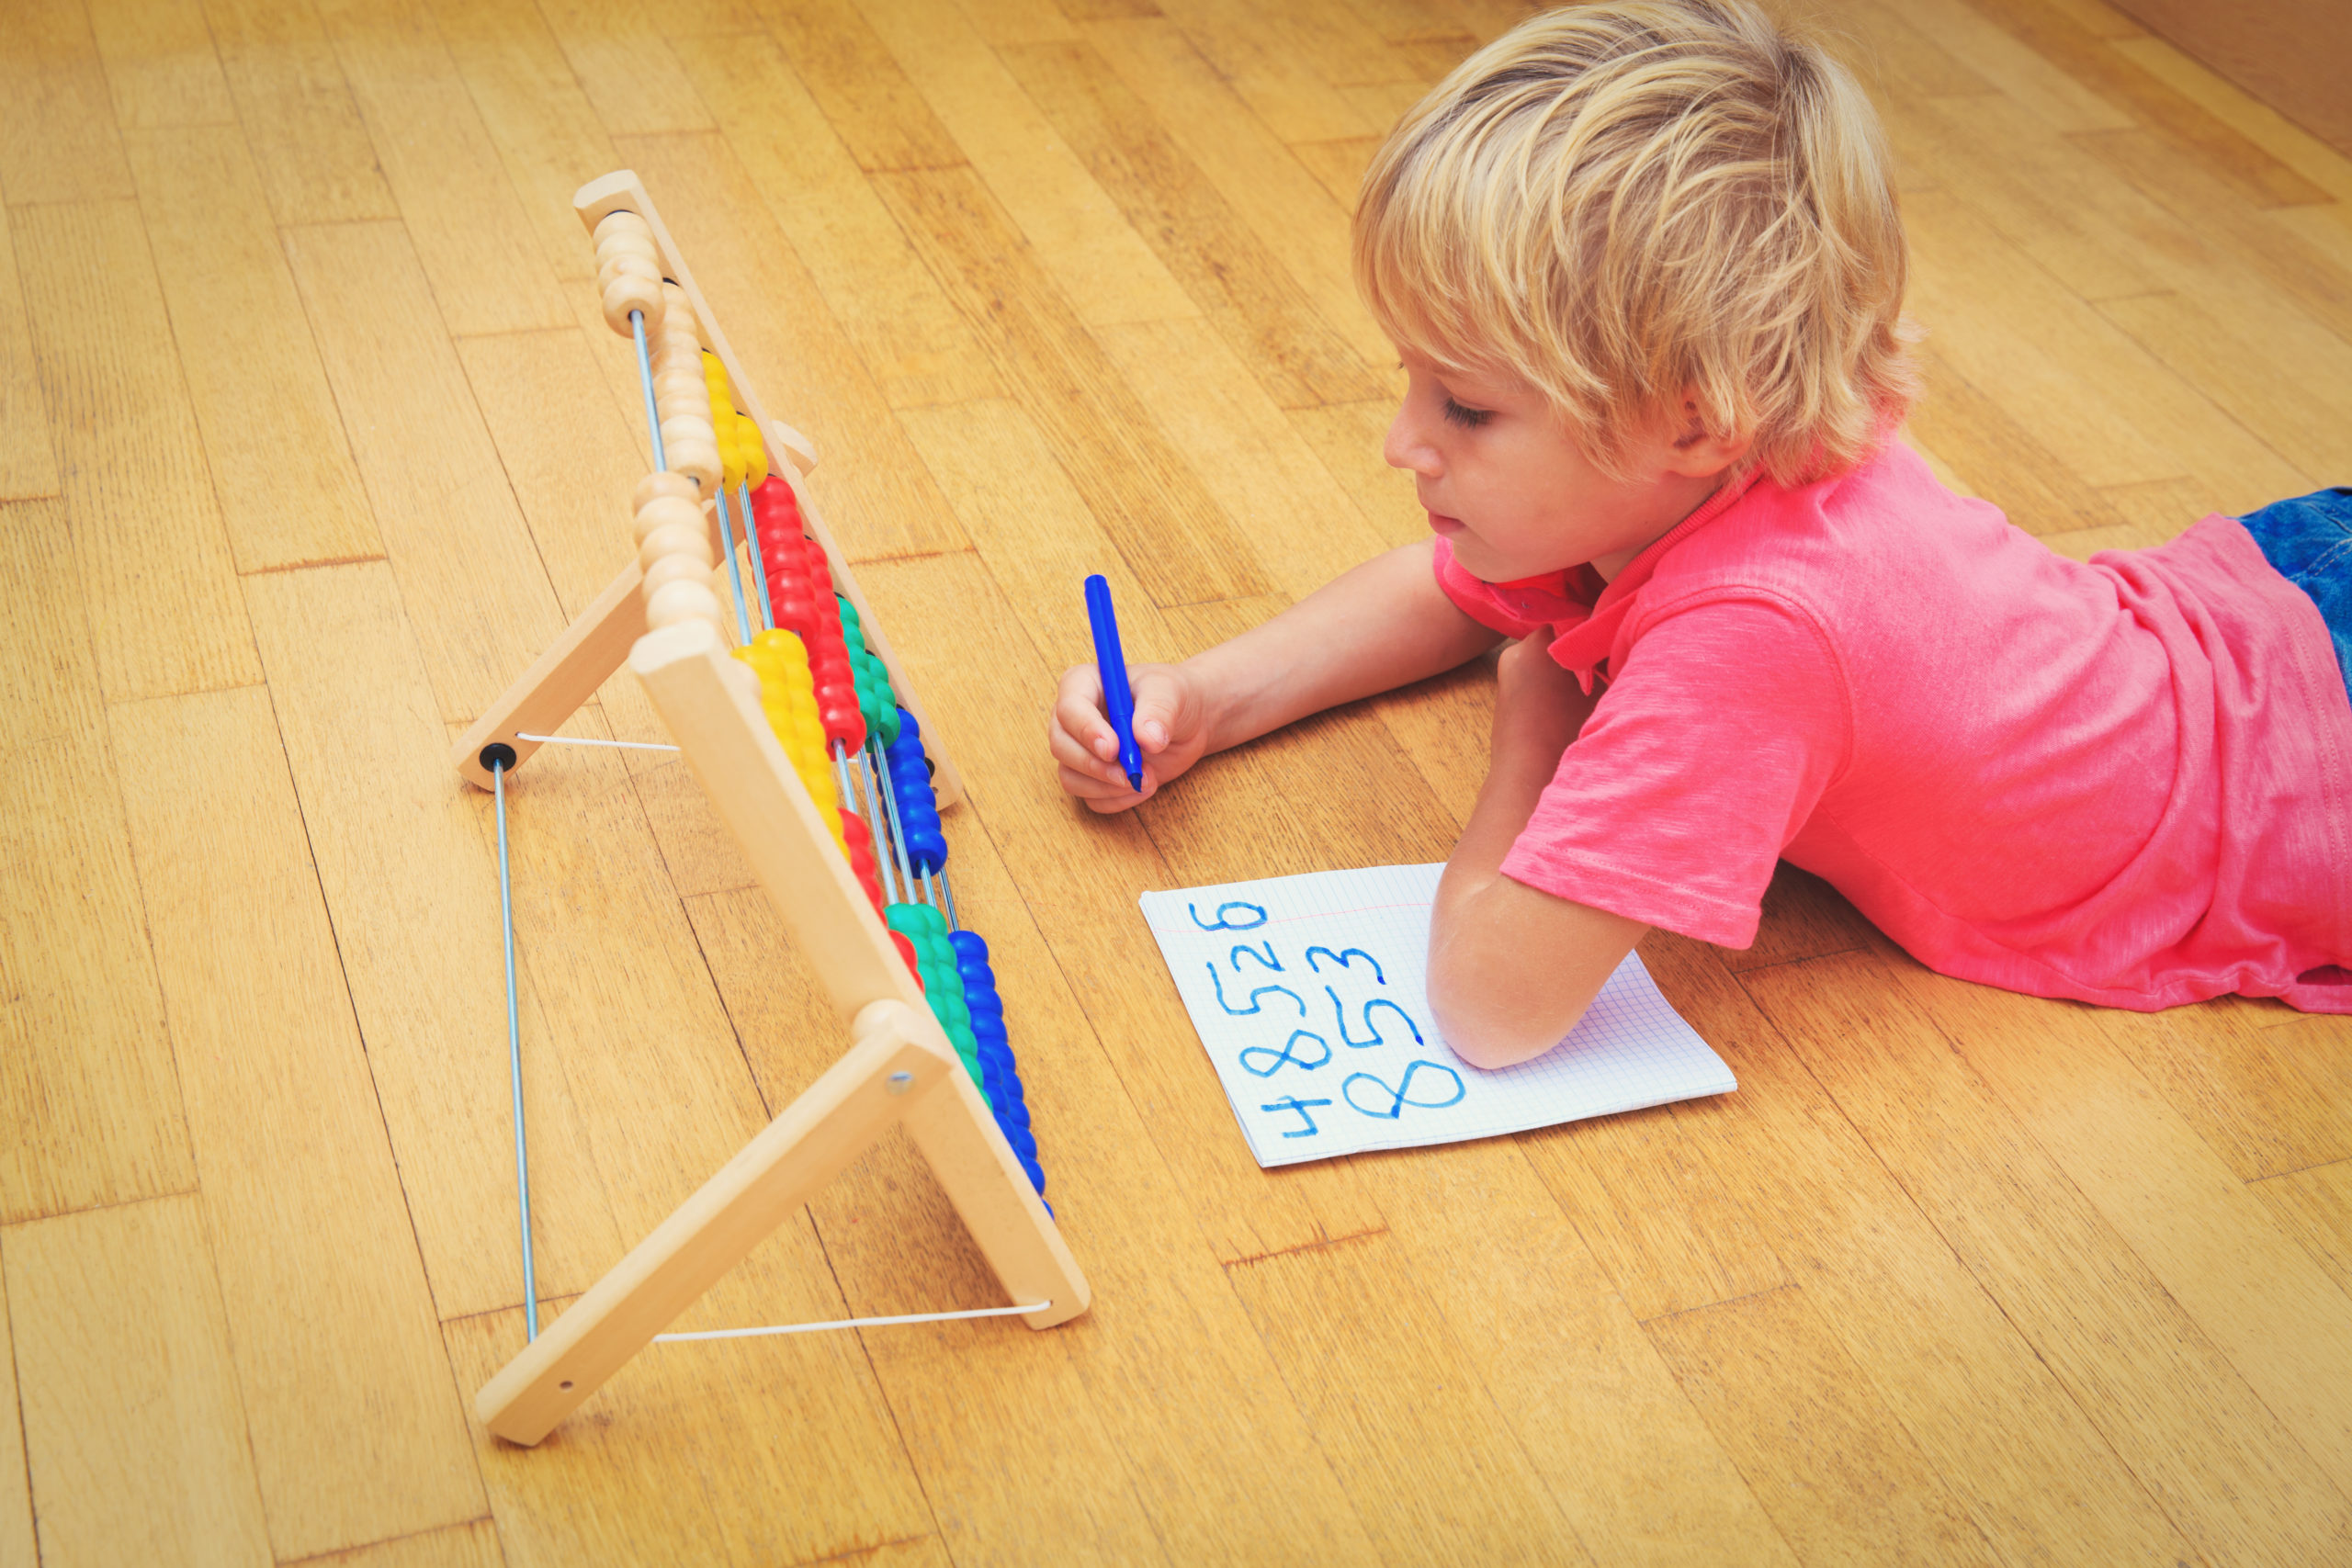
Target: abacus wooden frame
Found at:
x=592, y=649
x=900, y=1068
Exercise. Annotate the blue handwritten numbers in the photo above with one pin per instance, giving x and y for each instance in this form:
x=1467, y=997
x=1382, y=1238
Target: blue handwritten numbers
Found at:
x=1375, y=1099
x=1340, y=1009
x=1299, y=1107
x=1287, y=1056
x=1217, y=985
x=1243, y=949
x=1344, y=957
x=1225, y=925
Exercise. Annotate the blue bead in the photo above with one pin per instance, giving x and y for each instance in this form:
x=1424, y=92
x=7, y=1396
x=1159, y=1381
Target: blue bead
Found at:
x=969, y=946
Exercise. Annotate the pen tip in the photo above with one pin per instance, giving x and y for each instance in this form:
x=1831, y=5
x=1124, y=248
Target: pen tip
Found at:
x=1137, y=780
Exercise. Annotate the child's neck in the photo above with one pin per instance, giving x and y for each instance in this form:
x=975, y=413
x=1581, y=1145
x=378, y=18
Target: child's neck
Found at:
x=1681, y=497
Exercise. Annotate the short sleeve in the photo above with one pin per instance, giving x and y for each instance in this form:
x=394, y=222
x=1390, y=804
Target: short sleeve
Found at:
x=1722, y=725
x=1476, y=599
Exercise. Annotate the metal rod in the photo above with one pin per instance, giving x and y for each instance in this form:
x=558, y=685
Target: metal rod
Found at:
x=850, y=1323
x=591, y=741
x=734, y=568
x=515, y=1056
x=759, y=558
x=948, y=894
x=645, y=376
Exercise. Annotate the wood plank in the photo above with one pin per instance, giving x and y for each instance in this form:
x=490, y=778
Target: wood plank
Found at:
x=2258, y=1297
x=567, y=451
x=1899, y=64
x=28, y=466
x=1268, y=56
x=472, y=585
x=17, y=1545
x=87, y=1079
x=1128, y=470
x=471, y=230
x=874, y=494
x=2253, y=118
x=1662, y=1221
x=159, y=62
x=133, y=1427
x=325, y=1296
x=58, y=140
x=2116, y=412
x=1595, y=1408
x=1097, y=261
x=2260, y=1096
x=410, y=882
x=675, y=1424
x=902, y=326
x=2280, y=373
x=1201, y=1477
x=1429, y=1466
x=1338, y=167
x=549, y=137
x=1967, y=34
x=1943, y=1354
x=1998, y=457
x=2189, y=134
x=861, y=92
x=307, y=139
x=1274, y=492
x=1854, y=1486
x=1261, y=313
x=471, y=1545
x=2151, y=1376
x=275, y=440
x=2315, y=1207
x=1803, y=918
x=1288, y=211
x=155, y=565
x=628, y=68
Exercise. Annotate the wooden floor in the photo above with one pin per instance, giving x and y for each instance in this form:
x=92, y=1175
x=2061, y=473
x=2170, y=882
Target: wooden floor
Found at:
x=311, y=438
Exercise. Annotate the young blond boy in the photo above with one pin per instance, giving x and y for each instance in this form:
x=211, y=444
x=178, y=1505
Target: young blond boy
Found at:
x=1645, y=270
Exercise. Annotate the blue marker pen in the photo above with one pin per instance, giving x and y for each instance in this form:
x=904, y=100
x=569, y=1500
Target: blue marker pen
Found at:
x=1118, y=697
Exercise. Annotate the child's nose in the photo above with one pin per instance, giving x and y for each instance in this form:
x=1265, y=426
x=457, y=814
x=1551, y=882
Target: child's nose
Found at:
x=1406, y=448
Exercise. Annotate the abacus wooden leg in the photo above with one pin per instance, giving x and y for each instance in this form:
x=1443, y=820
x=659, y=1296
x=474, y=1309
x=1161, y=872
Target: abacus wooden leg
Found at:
x=894, y=1065
x=565, y=676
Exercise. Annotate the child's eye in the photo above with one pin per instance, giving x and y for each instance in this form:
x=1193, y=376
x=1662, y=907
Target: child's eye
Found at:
x=1467, y=418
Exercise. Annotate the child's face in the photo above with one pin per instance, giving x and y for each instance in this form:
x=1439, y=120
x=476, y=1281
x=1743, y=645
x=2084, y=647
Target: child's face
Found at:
x=1515, y=495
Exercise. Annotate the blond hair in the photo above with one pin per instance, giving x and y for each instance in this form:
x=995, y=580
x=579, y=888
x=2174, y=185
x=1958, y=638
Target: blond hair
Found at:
x=1624, y=205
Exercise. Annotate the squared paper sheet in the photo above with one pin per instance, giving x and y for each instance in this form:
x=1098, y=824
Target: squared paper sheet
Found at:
x=1309, y=994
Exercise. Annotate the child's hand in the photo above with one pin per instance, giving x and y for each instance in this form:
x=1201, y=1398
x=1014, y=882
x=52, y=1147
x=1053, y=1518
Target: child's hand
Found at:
x=1171, y=732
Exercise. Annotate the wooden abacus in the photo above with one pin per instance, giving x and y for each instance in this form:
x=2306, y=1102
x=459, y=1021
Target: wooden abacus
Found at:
x=733, y=713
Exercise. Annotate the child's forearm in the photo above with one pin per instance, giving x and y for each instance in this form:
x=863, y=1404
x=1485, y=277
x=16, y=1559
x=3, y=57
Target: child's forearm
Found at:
x=1383, y=625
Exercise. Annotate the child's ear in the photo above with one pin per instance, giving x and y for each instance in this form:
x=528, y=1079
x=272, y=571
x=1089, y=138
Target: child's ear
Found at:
x=1695, y=452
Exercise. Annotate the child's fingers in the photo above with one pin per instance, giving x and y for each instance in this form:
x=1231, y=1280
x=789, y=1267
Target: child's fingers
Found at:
x=1159, y=704
x=1102, y=794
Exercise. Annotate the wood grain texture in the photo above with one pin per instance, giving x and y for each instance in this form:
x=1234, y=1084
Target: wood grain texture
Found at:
x=154, y=560
x=116, y=1312
x=87, y=1077
x=272, y=435
x=275, y=1078
x=1054, y=289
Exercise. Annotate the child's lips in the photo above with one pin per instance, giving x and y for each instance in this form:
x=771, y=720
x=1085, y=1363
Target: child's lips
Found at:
x=1441, y=524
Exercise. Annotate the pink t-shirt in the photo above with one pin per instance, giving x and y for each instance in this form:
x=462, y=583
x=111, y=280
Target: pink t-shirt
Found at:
x=2127, y=782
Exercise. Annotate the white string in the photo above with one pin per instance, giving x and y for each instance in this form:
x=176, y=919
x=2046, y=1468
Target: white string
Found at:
x=585, y=740
x=855, y=1323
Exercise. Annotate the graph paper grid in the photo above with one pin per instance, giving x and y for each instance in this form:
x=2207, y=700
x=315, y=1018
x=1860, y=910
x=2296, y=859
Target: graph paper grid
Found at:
x=1309, y=994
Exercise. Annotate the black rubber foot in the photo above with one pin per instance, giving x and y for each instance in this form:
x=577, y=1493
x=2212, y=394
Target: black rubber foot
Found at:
x=497, y=755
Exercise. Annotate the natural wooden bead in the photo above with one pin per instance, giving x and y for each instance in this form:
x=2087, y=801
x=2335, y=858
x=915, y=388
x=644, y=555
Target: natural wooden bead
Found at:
x=670, y=510
x=632, y=291
x=690, y=541
x=699, y=458
x=655, y=485
x=682, y=601
x=677, y=569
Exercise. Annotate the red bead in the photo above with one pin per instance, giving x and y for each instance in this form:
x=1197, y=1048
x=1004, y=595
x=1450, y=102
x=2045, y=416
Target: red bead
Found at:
x=907, y=952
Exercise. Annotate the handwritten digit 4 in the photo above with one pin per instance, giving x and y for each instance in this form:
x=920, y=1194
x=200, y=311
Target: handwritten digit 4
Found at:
x=1293, y=1103
x=1225, y=925
x=1388, y=1104
x=1286, y=1055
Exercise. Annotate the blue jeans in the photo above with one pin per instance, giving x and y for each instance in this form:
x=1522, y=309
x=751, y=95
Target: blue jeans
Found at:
x=2309, y=539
